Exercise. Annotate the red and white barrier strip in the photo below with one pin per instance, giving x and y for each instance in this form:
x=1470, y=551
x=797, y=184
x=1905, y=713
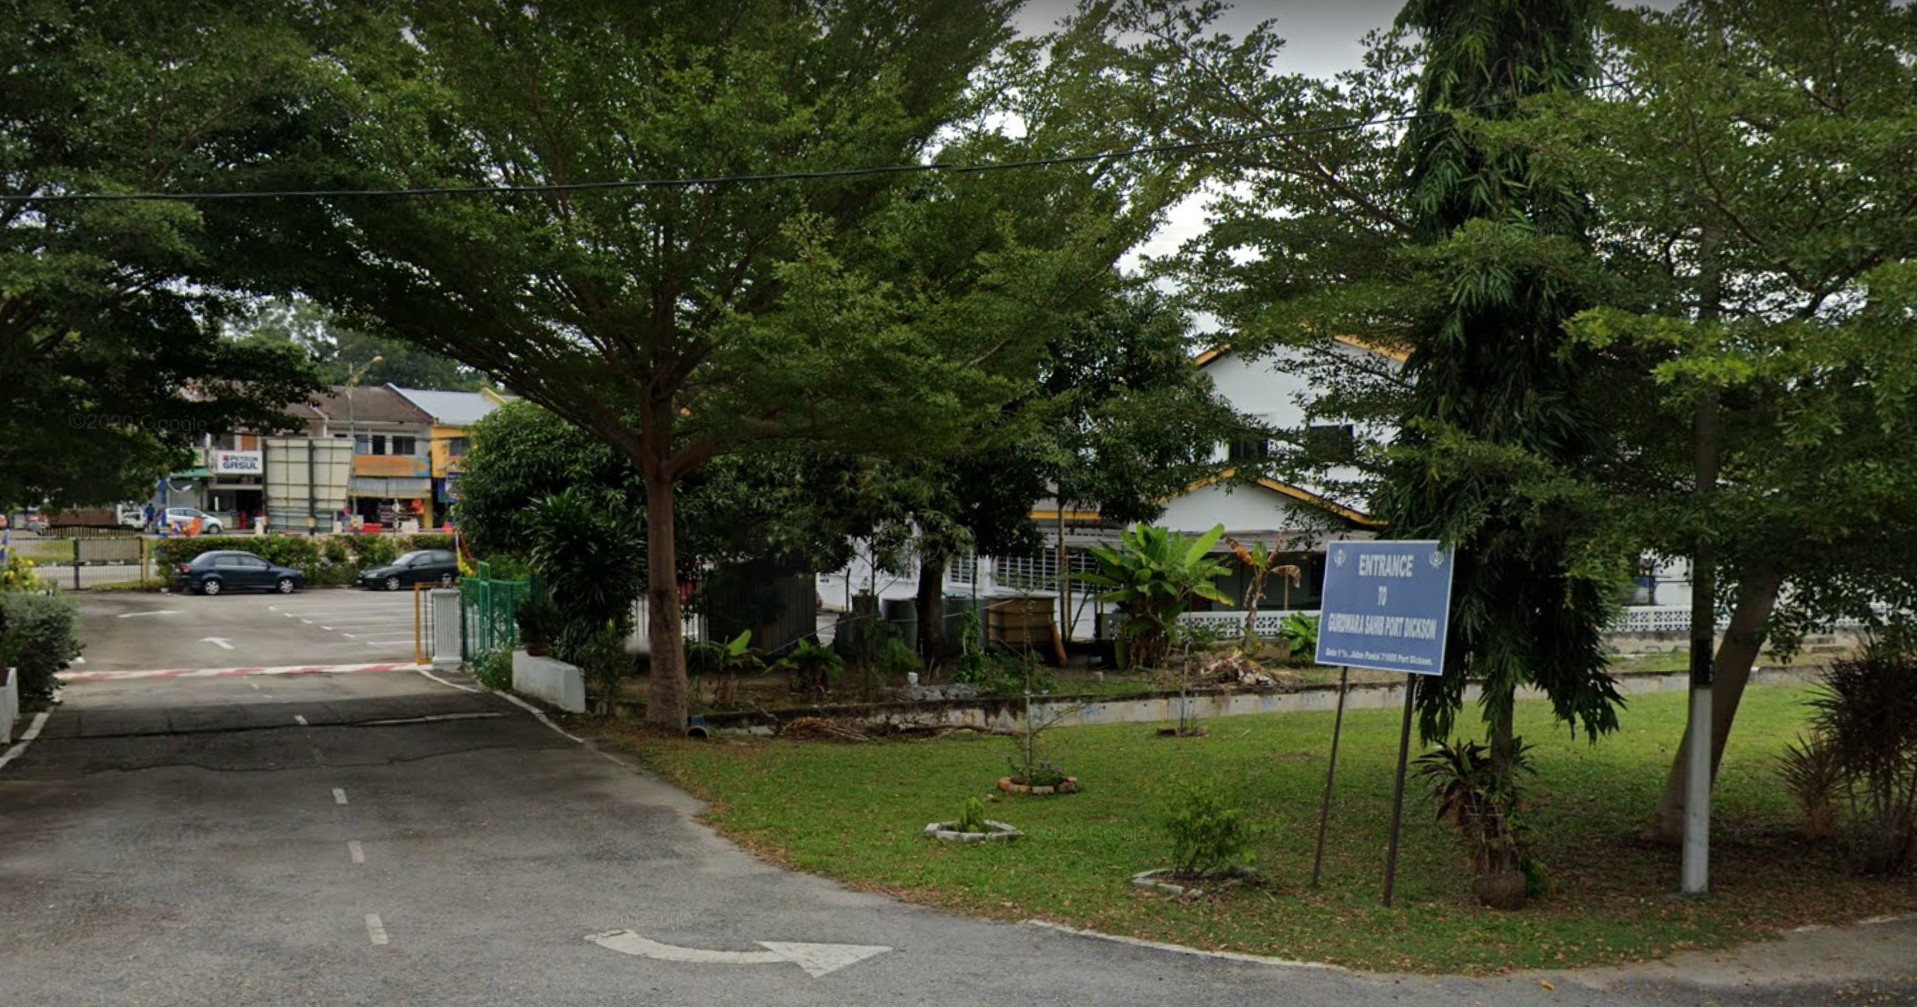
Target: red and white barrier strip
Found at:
x=292, y=669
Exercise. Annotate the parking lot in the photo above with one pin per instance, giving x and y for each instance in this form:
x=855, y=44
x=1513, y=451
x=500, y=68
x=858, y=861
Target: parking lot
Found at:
x=330, y=626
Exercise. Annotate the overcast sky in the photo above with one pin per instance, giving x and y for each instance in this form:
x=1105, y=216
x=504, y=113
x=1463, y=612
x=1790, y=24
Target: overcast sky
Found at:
x=1321, y=36
x=1321, y=39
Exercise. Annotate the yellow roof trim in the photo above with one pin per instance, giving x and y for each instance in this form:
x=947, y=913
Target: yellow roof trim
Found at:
x=1210, y=355
x=1301, y=495
x=1087, y=516
x=1393, y=352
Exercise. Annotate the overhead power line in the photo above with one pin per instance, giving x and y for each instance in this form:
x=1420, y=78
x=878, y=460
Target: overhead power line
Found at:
x=1190, y=146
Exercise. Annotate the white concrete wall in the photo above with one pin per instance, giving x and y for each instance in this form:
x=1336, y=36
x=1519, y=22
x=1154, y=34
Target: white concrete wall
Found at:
x=550, y=680
x=9, y=703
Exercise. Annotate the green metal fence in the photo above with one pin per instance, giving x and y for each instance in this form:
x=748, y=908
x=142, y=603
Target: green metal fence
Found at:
x=486, y=613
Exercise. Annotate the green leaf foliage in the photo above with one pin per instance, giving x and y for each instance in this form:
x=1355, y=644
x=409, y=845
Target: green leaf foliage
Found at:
x=109, y=309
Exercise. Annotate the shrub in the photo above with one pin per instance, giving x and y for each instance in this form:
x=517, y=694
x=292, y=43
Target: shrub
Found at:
x=19, y=574
x=39, y=639
x=811, y=667
x=1810, y=771
x=1866, y=711
x=971, y=817
x=1209, y=835
x=495, y=670
x=1300, y=633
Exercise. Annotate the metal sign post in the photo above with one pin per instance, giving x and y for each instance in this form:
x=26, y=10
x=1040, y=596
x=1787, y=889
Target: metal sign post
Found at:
x=1331, y=773
x=1387, y=606
x=1397, y=795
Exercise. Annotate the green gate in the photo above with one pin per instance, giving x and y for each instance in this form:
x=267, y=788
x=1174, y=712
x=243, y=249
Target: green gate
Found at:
x=487, y=608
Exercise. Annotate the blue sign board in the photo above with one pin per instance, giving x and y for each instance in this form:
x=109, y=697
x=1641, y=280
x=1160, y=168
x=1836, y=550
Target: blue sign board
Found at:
x=1386, y=606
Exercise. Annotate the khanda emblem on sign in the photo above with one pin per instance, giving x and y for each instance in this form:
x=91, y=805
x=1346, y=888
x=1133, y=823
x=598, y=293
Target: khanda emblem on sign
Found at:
x=1437, y=560
x=1338, y=557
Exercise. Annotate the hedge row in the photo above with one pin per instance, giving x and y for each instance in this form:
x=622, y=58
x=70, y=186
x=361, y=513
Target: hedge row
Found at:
x=38, y=637
x=322, y=559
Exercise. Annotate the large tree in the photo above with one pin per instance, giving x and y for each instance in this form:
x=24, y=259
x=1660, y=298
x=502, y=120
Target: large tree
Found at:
x=1750, y=170
x=112, y=361
x=1489, y=452
x=689, y=321
x=342, y=354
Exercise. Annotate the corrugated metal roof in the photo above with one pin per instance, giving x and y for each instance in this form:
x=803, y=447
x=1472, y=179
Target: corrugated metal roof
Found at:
x=368, y=404
x=449, y=409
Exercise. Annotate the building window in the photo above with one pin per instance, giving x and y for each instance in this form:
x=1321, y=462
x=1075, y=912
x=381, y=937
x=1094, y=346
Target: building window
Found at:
x=1332, y=443
x=379, y=444
x=458, y=446
x=362, y=444
x=1249, y=447
x=407, y=446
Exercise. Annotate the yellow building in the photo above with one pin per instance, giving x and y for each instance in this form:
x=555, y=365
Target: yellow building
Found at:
x=451, y=416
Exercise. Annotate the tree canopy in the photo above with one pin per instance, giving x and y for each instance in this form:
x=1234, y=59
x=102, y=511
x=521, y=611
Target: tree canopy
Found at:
x=689, y=321
x=111, y=312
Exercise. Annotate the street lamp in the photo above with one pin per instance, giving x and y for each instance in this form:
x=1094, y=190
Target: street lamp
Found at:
x=353, y=376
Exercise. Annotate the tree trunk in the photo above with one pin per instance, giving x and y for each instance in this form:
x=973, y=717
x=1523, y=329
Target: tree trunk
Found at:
x=932, y=611
x=666, y=707
x=1736, y=655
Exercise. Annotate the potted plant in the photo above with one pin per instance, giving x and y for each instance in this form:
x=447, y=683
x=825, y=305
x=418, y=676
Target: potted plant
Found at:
x=539, y=622
x=1482, y=803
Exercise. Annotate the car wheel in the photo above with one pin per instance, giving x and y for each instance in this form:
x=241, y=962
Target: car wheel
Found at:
x=285, y=585
x=209, y=587
x=213, y=528
x=392, y=583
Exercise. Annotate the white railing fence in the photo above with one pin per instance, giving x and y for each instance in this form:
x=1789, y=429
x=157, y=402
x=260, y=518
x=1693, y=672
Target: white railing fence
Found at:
x=1634, y=619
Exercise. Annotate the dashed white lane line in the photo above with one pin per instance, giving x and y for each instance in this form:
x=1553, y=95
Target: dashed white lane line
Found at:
x=26, y=737
x=253, y=685
x=300, y=719
x=339, y=796
x=388, y=643
x=356, y=851
x=318, y=759
x=375, y=929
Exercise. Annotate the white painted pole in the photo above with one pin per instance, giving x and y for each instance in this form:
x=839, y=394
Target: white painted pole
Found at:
x=1696, y=878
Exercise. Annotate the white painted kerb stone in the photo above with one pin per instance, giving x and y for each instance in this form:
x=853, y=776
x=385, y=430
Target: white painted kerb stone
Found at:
x=556, y=682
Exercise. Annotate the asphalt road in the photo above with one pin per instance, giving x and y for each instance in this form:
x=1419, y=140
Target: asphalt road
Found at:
x=382, y=838
x=129, y=631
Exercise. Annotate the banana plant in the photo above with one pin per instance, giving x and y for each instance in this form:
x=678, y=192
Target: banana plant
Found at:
x=1153, y=577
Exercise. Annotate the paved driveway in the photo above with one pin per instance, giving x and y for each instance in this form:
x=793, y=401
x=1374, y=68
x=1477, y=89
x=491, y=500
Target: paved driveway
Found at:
x=126, y=632
x=381, y=838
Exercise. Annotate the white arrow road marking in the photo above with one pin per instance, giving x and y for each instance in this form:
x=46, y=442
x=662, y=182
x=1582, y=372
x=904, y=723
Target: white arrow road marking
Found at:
x=142, y=615
x=224, y=645
x=815, y=959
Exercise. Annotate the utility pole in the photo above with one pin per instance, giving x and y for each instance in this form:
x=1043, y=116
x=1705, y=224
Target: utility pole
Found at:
x=352, y=421
x=1696, y=871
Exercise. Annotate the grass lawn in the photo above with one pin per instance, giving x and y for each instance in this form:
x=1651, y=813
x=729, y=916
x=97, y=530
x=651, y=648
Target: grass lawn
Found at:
x=855, y=811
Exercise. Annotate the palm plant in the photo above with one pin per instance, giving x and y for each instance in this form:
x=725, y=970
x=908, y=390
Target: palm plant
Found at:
x=1866, y=711
x=1480, y=798
x=1153, y=577
x=1262, y=563
x=723, y=661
